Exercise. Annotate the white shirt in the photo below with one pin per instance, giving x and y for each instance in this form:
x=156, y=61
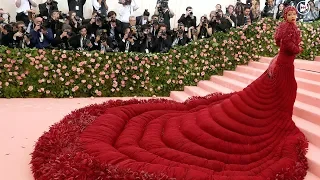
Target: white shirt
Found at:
x=23, y=7
x=279, y=2
x=96, y=5
x=126, y=11
x=317, y=4
x=144, y=21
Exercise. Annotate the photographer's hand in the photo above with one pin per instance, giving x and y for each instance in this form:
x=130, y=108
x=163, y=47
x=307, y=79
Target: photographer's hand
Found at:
x=37, y=27
x=18, y=34
x=131, y=40
x=26, y=39
x=93, y=20
x=64, y=34
x=44, y=31
x=97, y=39
x=125, y=37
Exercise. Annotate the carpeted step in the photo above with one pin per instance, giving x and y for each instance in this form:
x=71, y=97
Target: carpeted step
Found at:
x=311, y=176
x=304, y=76
x=308, y=128
x=317, y=59
x=313, y=159
x=195, y=91
x=302, y=110
x=212, y=87
x=299, y=64
x=306, y=111
x=179, y=96
x=307, y=96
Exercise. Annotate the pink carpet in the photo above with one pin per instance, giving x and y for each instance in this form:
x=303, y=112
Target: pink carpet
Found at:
x=22, y=122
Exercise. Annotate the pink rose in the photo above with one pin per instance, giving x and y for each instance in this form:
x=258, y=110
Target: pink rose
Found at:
x=30, y=88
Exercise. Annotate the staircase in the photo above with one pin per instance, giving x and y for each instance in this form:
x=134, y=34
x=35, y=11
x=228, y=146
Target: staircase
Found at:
x=306, y=108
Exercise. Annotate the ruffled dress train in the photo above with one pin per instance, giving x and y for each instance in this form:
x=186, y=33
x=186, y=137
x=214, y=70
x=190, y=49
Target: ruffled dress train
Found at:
x=245, y=135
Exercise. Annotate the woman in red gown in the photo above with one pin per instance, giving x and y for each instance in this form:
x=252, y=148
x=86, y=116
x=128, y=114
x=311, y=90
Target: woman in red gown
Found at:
x=245, y=135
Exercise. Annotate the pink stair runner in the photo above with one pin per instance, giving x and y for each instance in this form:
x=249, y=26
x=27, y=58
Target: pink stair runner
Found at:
x=306, y=108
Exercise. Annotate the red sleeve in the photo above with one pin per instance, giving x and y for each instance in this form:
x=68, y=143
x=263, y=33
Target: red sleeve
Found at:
x=290, y=42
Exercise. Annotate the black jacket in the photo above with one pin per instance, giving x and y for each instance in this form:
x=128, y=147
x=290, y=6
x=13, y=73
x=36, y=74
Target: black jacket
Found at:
x=47, y=12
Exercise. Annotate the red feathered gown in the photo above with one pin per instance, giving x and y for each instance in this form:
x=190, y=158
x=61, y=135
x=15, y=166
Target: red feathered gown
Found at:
x=245, y=135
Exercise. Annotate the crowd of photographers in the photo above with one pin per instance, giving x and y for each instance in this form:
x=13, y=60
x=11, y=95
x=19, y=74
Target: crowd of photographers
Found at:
x=106, y=31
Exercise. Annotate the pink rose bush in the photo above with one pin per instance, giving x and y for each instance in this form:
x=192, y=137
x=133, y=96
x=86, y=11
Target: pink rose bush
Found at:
x=55, y=73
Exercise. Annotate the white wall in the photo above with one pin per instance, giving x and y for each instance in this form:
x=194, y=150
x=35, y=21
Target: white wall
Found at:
x=200, y=7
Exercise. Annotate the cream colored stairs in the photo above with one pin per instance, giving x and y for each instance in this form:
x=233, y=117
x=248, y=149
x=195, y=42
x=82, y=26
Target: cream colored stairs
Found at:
x=306, y=108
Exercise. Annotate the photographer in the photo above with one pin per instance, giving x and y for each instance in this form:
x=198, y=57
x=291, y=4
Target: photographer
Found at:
x=97, y=22
x=41, y=36
x=192, y=34
x=144, y=19
x=126, y=10
x=188, y=19
x=82, y=41
x=204, y=30
x=77, y=7
x=21, y=39
x=74, y=21
x=313, y=13
x=100, y=6
x=145, y=40
x=102, y=42
x=134, y=27
x=163, y=42
x=47, y=8
x=61, y=40
x=113, y=26
x=23, y=6
x=53, y=22
x=154, y=23
x=127, y=44
x=244, y=19
x=165, y=14
x=4, y=17
x=180, y=38
x=6, y=35
x=231, y=15
x=223, y=22
x=269, y=10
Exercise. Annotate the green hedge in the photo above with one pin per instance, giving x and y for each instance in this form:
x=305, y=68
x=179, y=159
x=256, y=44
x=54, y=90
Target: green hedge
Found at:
x=54, y=73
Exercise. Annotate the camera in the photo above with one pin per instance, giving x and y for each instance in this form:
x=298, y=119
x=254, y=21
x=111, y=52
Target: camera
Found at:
x=63, y=15
x=163, y=33
x=68, y=33
x=130, y=35
x=205, y=20
x=103, y=39
x=194, y=31
x=78, y=19
x=102, y=32
x=163, y=4
x=126, y=2
x=100, y=17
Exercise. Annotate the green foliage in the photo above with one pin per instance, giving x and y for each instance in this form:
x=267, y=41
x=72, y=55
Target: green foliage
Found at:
x=54, y=73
